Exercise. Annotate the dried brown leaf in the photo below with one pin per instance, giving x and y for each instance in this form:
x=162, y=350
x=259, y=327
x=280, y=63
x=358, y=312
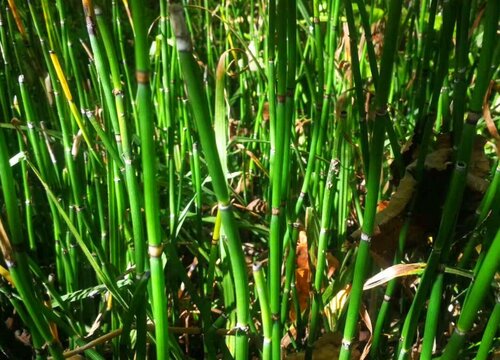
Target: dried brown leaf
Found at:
x=393, y=272
x=368, y=323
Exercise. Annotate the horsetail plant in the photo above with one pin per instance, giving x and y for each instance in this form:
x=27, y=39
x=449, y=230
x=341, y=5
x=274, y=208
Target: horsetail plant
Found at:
x=207, y=140
x=457, y=185
x=261, y=287
x=151, y=201
x=14, y=253
x=324, y=141
x=373, y=183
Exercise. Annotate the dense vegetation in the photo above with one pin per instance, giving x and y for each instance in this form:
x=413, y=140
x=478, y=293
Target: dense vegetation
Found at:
x=244, y=179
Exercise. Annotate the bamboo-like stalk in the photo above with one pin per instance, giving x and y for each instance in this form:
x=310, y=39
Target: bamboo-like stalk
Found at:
x=271, y=75
x=213, y=256
x=13, y=249
x=358, y=83
x=124, y=144
x=28, y=205
x=277, y=210
x=207, y=140
x=490, y=331
x=478, y=291
x=166, y=111
x=460, y=84
x=375, y=75
x=422, y=78
x=326, y=94
x=373, y=183
x=365, y=22
x=431, y=321
x=151, y=201
x=84, y=204
x=262, y=292
x=325, y=230
x=425, y=139
x=492, y=195
x=454, y=197
x=37, y=340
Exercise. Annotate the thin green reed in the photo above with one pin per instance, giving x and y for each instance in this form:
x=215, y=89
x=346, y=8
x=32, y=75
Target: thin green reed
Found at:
x=277, y=210
x=271, y=80
x=491, y=329
x=424, y=136
x=14, y=253
x=432, y=320
x=17, y=304
x=167, y=113
x=7, y=69
x=71, y=273
x=199, y=107
x=346, y=173
x=151, y=200
x=327, y=95
x=324, y=236
x=12, y=18
x=358, y=83
x=126, y=153
x=445, y=46
x=291, y=27
x=422, y=76
x=49, y=172
x=320, y=110
x=478, y=291
x=480, y=216
x=391, y=133
x=291, y=235
x=454, y=197
x=452, y=203
x=28, y=208
x=120, y=38
x=373, y=183
x=365, y=23
x=291, y=35
x=446, y=33
x=262, y=293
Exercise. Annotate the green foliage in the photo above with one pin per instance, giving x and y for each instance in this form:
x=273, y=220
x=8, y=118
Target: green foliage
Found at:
x=150, y=152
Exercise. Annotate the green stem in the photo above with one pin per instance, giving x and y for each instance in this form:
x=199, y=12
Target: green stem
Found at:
x=373, y=183
x=207, y=139
x=151, y=201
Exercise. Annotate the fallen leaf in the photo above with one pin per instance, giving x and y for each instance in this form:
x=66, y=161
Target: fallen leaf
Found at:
x=393, y=272
x=365, y=317
x=302, y=273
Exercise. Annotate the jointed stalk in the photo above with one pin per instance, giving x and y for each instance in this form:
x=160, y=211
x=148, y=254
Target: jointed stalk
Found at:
x=151, y=201
x=200, y=110
x=261, y=288
x=454, y=197
x=373, y=183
